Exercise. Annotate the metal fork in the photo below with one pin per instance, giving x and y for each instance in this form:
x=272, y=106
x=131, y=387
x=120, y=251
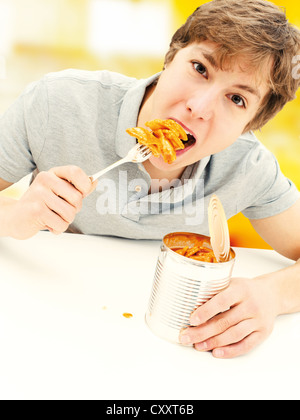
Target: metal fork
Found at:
x=139, y=153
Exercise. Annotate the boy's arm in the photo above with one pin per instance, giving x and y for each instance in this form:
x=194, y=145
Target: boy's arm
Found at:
x=6, y=204
x=4, y=184
x=253, y=303
x=282, y=232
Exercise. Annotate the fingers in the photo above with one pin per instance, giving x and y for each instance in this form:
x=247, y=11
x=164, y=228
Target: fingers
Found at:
x=75, y=176
x=213, y=327
x=66, y=209
x=53, y=222
x=93, y=186
x=55, y=197
x=232, y=322
x=240, y=348
x=234, y=341
x=59, y=196
x=217, y=304
x=69, y=185
x=232, y=335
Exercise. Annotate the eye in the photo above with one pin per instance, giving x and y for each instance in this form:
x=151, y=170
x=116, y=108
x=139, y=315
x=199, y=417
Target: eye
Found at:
x=200, y=68
x=238, y=100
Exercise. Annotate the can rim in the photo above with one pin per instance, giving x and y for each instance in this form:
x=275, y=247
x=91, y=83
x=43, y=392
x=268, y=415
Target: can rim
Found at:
x=197, y=262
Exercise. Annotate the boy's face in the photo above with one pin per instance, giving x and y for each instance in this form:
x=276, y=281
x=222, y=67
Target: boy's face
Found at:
x=212, y=104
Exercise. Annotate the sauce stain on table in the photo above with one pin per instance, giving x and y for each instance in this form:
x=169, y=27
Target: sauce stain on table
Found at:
x=127, y=315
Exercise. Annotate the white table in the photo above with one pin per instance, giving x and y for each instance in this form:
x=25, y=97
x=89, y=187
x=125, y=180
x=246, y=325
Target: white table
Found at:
x=63, y=334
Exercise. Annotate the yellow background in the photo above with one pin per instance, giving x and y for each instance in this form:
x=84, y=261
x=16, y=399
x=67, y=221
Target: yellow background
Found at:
x=42, y=36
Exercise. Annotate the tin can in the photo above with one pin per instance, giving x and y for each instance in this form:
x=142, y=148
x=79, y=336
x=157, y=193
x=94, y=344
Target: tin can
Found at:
x=183, y=284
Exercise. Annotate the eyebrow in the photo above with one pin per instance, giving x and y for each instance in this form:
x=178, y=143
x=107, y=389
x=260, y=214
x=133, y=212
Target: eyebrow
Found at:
x=210, y=58
x=249, y=89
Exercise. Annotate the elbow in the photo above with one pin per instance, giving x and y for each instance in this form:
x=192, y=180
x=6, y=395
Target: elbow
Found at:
x=293, y=255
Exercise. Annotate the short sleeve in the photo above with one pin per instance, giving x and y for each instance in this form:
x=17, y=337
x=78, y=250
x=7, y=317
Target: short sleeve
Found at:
x=267, y=191
x=22, y=133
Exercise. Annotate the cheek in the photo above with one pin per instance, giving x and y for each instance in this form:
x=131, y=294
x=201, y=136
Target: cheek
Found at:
x=220, y=135
x=231, y=125
x=228, y=139
x=169, y=89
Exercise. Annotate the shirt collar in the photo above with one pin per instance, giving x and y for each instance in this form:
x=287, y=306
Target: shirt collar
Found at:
x=186, y=186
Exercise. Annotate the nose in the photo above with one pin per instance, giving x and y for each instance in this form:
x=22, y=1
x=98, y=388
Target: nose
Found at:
x=202, y=104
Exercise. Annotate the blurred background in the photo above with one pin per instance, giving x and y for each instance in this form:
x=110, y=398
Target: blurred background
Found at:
x=126, y=36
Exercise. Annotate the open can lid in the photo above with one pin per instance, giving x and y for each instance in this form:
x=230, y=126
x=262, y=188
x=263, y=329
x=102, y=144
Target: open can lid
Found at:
x=218, y=229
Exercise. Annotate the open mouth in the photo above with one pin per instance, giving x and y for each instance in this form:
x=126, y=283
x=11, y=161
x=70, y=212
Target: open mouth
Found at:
x=190, y=141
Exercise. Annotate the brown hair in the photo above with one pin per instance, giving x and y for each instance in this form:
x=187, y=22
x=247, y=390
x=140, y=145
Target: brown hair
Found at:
x=256, y=29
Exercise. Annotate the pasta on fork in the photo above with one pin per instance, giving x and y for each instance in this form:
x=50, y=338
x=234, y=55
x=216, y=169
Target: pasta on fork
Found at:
x=166, y=137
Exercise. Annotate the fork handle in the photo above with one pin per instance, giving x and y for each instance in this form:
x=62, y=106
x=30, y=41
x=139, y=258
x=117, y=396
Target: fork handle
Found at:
x=114, y=165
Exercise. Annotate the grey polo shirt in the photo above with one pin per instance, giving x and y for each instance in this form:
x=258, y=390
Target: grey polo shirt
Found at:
x=80, y=118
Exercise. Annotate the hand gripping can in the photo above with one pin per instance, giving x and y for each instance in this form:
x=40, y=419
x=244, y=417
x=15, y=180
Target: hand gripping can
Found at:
x=182, y=284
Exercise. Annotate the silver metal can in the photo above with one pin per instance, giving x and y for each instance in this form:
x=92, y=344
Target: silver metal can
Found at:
x=182, y=284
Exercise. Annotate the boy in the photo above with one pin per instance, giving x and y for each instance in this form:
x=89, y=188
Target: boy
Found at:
x=229, y=70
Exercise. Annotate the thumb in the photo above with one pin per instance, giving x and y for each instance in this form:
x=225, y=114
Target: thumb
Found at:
x=93, y=186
